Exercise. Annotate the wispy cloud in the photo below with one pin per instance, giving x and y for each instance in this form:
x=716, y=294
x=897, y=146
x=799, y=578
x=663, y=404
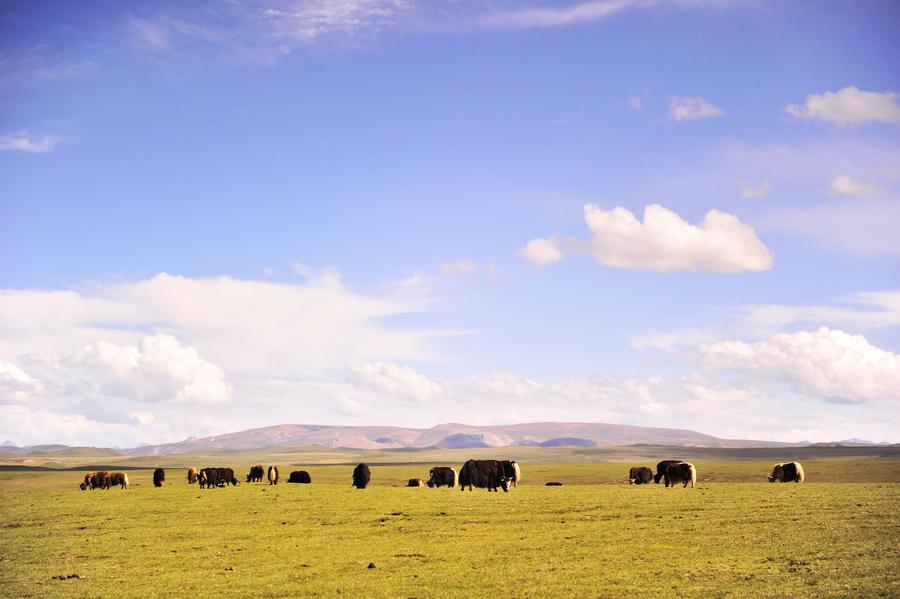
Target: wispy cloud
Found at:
x=308, y=20
x=756, y=192
x=23, y=141
x=843, y=185
x=691, y=109
x=556, y=16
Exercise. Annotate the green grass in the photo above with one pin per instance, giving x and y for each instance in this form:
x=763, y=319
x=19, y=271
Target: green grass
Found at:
x=592, y=537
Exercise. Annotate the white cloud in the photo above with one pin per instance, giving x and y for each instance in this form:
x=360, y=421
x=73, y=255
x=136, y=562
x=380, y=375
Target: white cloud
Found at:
x=261, y=328
x=311, y=19
x=849, y=105
x=826, y=363
x=398, y=381
x=151, y=34
x=668, y=341
x=22, y=141
x=457, y=267
x=865, y=311
x=542, y=252
x=636, y=102
x=16, y=385
x=758, y=192
x=843, y=185
x=556, y=16
x=688, y=109
x=159, y=369
x=665, y=242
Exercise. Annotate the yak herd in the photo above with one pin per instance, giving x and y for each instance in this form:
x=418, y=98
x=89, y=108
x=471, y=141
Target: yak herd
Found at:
x=483, y=474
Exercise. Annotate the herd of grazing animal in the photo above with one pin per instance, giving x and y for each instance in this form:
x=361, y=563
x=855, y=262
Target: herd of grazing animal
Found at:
x=482, y=474
x=104, y=480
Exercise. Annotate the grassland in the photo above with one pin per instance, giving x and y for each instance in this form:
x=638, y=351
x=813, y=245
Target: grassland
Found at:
x=735, y=535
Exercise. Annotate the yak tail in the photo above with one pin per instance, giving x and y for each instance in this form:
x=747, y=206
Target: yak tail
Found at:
x=800, y=474
x=124, y=480
x=693, y=476
x=455, y=479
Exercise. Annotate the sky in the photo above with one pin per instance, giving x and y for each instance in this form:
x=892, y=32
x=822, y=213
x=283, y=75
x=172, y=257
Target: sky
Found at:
x=222, y=215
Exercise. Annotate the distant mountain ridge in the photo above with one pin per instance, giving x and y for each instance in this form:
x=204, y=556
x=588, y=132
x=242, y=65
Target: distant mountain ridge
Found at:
x=449, y=436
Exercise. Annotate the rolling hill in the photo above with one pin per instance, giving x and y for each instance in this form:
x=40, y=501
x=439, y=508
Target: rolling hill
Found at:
x=448, y=436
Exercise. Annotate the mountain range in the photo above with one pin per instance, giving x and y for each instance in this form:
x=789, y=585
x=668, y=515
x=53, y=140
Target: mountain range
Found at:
x=442, y=436
x=448, y=436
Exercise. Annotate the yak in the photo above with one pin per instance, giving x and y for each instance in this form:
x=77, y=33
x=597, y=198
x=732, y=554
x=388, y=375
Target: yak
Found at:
x=661, y=469
x=442, y=476
x=273, y=475
x=299, y=476
x=117, y=478
x=256, y=474
x=790, y=472
x=512, y=472
x=484, y=474
x=361, y=476
x=159, y=477
x=681, y=472
x=640, y=475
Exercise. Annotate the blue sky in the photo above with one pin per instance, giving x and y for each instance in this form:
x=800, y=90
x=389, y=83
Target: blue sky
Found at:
x=216, y=216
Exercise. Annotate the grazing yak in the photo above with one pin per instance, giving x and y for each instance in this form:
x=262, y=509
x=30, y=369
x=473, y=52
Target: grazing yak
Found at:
x=226, y=477
x=415, y=482
x=192, y=475
x=300, y=476
x=216, y=477
x=512, y=472
x=484, y=474
x=256, y=474
x=442, y=476
x=681, y=472
x=791, y=472
x=88, y=482
x=661, y=469
x=159, y=477
x=361, y=476
x=117, y=478
x=273, y=475
x=640, y=475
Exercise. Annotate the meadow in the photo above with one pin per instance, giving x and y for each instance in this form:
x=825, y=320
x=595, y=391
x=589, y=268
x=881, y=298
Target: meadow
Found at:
x=734, y=535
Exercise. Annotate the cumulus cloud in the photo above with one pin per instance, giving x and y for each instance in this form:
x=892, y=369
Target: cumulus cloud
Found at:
x=261, y=328
x=843, y=185
x=542, y=252
x=16, y=385
x=23, y=141
x=756, y=192
x=689, y=109
x=662, y=242
x=159, y=369
x=397, y=380
x=849, y=105
x=826, y=363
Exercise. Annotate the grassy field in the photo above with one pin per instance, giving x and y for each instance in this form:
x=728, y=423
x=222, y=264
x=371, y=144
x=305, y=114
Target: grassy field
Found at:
x=734, y=535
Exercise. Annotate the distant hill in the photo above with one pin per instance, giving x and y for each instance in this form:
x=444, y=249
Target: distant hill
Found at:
x=449, y=436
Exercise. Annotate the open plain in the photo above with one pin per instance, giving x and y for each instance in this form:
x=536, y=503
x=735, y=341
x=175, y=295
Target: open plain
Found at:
x=734, y=535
